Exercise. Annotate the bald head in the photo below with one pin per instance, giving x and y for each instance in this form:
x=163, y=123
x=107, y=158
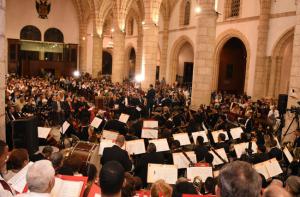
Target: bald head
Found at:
x=120, y=140
x=275, y=191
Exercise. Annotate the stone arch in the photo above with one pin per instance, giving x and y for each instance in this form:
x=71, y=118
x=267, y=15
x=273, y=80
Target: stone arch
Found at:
x=277, y=62
x=127, y=70
x=221, y=41
x=178, y=44
x=30, y=32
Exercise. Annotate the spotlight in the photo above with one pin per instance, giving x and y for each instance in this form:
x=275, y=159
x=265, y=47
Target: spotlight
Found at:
x=76, y=73
x=198, y=9
x=139, y=78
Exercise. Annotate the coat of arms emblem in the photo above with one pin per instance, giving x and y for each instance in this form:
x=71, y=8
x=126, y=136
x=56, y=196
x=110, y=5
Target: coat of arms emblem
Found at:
x=43, y=8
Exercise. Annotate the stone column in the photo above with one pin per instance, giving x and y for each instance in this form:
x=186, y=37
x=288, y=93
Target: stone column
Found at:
x=262, y=39
x=83, y=48
x=164, y=50
x=294, y=77
x=149, y=56
x=279, y=61
x=203, y=66
x=97, y=55
x=118, y=62
x=2, y=69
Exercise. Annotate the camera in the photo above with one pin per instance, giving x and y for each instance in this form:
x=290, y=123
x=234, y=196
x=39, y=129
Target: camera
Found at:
x=295, y=109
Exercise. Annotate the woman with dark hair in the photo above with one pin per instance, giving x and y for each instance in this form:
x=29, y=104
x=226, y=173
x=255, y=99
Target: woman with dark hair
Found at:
x=18, y=159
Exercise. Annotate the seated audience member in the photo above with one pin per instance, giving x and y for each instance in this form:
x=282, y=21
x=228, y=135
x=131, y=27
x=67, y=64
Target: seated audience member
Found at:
x=18, y=159
x=5, y=189
x=238, y=179
x=221, y=142
x=209, y=186
x=57, y=161
x=128, y=188
x=275, y=191
x=116, y=153
x=45, y=154
x=111, y=179
x=292, y=185
x=161, y=188
x=40, y=179
x=151, y=156
x=184, y=187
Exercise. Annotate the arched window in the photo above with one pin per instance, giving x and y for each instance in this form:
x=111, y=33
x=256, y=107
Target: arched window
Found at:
x=53, y=35
x=30, y=32
x=187, y=13
x=131, y=25
x=232, y=8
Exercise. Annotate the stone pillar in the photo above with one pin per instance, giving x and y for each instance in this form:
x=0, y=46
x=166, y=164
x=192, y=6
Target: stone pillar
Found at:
x=2, y=69
x=279, y=61
x=83, y=48
x=164, y=50
x=203, y=66
x=262, y=39
x=118, y=61
x=149, y=56
x=294, y=77
x=97, y=55
x=138, y=61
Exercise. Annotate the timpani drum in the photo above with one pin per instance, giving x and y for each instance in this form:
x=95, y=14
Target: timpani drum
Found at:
x=84, y=150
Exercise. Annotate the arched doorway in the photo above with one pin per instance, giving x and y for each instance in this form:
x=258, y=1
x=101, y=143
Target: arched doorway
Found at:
x=232, y=66
x=181, y=62
x=132, y=63
x=106, y=63
x=185, y=65
x=279, y=76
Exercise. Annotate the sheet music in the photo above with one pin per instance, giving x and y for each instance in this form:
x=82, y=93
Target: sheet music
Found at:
x=149, y=133
x=18, y=181
x=65, y=127
x=150, y=124
x=215, y=135
x=169, y=173
x=109, y=135
x=202, y=172
x=181, y=161
x=43, y=132
x=138, y=108
x=217, y=160
x=105, y=144
x=124, y=118
x=261, y=169
x=236, y=132
x=273, y=167
x=183, y=138
x=116, y=106
x=241, y=148
x=135, y=147
x=96, y=122
x=64, y=188
x=126, y=101
x=288, y=155
x=161, y=144
x=199, y=133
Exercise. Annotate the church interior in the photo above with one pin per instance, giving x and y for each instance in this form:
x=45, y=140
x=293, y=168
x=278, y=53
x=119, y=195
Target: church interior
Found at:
x=150, y=97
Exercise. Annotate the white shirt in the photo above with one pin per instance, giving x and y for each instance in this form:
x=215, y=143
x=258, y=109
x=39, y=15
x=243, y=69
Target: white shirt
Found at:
x=3, y=192
x=33, y=194
x=275, y=113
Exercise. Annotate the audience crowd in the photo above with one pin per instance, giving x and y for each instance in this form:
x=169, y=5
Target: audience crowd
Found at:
x=79, y=100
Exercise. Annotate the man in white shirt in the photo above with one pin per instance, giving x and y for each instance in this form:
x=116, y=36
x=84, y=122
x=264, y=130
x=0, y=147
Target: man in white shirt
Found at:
x=5, y=189
x=40, y=179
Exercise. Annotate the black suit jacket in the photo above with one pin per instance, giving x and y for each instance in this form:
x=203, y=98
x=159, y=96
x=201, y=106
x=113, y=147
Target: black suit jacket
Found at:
x=275, y=153
x=115, y=153
x=141, y=169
